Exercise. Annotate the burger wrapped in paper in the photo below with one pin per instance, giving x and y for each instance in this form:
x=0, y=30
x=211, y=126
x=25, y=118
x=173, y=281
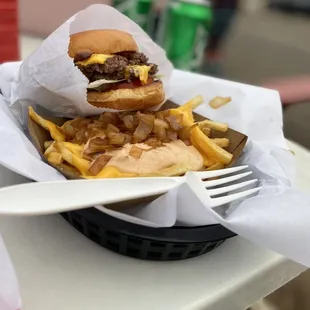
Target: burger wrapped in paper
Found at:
x=120, y=77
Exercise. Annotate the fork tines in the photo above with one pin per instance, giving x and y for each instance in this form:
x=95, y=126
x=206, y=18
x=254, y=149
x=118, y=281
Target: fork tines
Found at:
x=209, y=184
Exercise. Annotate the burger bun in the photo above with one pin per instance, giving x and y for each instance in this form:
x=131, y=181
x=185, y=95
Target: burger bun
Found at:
x=103, y=41
x=139, y=98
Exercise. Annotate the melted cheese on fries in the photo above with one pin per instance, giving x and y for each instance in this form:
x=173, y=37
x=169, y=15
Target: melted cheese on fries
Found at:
x=168, y=159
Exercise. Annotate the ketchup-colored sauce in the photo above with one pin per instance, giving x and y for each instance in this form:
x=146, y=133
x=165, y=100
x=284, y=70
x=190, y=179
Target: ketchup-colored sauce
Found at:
x=133, y=84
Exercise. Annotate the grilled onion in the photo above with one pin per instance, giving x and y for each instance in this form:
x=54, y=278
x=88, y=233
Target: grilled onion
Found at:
x=98, y=164
x=142, y=131
x=136, y=152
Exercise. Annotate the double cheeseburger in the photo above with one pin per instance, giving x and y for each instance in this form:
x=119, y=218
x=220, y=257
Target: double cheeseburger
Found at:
x=120, y=77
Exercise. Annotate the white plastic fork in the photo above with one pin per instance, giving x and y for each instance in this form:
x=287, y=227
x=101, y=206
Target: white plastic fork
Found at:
x=62, y=196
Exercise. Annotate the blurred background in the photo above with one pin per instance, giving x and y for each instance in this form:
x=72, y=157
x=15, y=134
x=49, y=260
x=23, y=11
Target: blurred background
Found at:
x=256, y=42
x=260, y=42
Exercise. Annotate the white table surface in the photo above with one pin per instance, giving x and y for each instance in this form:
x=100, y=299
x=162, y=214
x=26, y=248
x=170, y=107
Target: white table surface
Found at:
x=59, y=269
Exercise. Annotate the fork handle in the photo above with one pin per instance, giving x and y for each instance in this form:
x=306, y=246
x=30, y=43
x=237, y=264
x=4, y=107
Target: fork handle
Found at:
x=54, y=197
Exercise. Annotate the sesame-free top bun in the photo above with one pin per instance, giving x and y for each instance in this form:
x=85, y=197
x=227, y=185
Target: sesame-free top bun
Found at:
x=107, y=41
x=139, y=98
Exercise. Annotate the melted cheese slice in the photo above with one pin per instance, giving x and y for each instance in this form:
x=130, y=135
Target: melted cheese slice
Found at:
x=94, y=59
x=142, y=72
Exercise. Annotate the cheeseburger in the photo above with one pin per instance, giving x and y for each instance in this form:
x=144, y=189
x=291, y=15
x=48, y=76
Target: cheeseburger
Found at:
x=120, y=77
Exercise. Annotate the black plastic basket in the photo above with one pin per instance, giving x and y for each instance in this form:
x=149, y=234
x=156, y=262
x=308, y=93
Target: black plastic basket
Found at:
x=161, y=244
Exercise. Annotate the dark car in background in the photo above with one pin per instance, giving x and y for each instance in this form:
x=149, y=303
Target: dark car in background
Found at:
x=300, y=5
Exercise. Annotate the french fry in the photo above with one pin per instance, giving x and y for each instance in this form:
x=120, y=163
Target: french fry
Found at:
x=193, y=103
x=207, y=161
x=50, y=149
x=187, y=115
x=206, y=131
x=47, y=144
x=218, y=102
x=223, y=142
x=186, y=111
x=71, y=156
x=208, y=147
x=216, y=166
x=112, y=172
x=213, y=125
x=55, y=158
x=187, y=119
x=54, y=130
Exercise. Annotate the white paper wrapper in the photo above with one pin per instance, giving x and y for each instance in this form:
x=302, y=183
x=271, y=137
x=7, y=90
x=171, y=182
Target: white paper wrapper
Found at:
x=49, y=78
x=278, y=218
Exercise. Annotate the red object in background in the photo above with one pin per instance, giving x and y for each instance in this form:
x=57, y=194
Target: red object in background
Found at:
x=9, y=46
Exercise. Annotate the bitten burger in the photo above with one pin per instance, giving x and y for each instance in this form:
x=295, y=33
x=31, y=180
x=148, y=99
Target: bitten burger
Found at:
x=120, y=77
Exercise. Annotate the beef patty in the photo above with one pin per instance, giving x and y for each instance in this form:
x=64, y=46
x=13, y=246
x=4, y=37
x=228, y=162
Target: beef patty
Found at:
x=114, y=67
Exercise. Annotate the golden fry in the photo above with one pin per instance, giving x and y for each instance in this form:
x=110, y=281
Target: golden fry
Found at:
x=218, y=102
x=193, y=103
x=222, y=142
x=209, y=148
x=216, y=166
x=54, y=158
x=111, y=172
x=50, y=149
x=208, y=162
x=47, y=144
x=53, y=155
x=206, y=131
x=213, y=125
x=70, y=154
x=187, y=116
x=74, y=148
x=186, y=111
x=55, y=131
